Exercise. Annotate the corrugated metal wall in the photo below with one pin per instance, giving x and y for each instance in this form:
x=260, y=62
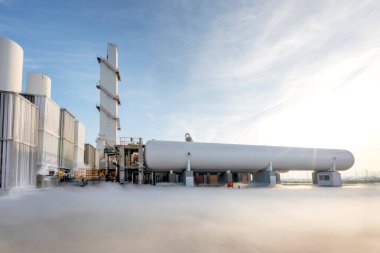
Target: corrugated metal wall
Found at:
x=48, y=153
x=79, y=138
x=96, y=159
x=18, y=141
x=79, y=157
x=66, y=126
x=89, y=155
x=48, y=133
x=66, y=140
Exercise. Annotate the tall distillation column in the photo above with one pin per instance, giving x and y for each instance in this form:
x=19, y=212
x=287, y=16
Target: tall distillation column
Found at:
x=109, y=100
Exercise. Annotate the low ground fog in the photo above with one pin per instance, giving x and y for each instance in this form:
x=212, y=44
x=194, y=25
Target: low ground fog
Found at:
x=112, y=218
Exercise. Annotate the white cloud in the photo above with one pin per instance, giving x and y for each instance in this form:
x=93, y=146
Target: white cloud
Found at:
x=5, y=1
x=287, y=75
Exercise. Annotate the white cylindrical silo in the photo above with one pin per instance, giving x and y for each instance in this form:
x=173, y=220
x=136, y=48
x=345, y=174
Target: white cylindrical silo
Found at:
x=38, y=84
x=11, y=60
x=171, y=155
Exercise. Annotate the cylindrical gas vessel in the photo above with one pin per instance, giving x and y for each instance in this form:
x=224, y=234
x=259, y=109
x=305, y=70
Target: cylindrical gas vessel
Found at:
x=172, y=155
x=11, y=60
x=38, y=84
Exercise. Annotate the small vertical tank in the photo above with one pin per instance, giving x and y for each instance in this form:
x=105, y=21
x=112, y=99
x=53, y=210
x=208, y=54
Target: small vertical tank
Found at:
x=11, y=61
x=38, y=84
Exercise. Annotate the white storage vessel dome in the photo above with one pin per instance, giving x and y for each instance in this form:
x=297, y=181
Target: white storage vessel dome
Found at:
x=11, y=60
x=38, y=84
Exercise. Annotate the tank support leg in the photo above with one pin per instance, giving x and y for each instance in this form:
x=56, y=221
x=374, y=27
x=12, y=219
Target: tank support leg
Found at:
x=189, y=178
x=314, y=177
x=121, y=166
x=229, y=179
x=189, y=175
x=141, y=176
x=266, y=177
x=171, y=177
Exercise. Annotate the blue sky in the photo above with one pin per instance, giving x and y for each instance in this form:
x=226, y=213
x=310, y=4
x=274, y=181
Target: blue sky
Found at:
x=297, y=73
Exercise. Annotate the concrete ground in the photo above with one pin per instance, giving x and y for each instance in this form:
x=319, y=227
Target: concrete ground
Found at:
x=113, y=218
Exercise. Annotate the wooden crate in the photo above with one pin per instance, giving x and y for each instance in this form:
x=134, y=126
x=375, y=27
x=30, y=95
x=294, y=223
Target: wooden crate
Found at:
x=213, y=179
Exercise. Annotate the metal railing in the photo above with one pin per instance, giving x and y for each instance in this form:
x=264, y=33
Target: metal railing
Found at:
x=131, y=140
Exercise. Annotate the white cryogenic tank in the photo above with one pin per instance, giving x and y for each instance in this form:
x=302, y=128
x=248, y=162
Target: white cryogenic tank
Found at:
x=38, y=84
x=171, y=155
x=11, y=60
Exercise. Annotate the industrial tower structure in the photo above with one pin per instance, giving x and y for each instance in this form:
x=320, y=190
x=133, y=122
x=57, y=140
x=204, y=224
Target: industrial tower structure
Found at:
x=109, y=99
x=129, y=160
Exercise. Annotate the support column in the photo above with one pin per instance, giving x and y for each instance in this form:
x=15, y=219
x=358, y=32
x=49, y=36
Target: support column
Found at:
x=229, y=177
x=314, y=177
x=189, y=178
x=141, y=176
x=278, y=178
x=107, y=160
x=266, y=177
x=171, y=177
x=122, y=165
x=152, y=177
x=141, y=166
x=189, y=175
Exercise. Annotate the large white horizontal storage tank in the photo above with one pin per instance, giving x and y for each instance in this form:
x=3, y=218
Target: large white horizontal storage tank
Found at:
x=11, y=60
x=171, y=155
x=38, y=84
x=18, y=141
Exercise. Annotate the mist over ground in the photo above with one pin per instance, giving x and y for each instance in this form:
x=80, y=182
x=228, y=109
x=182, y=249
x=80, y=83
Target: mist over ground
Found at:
x=114, y=218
